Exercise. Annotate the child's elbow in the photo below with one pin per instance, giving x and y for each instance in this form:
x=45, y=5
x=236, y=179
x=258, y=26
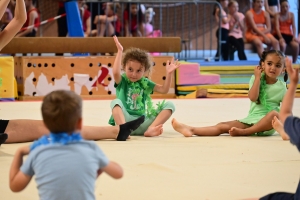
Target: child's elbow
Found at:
x=253, y=99
x=118, y=174
x=15, y=188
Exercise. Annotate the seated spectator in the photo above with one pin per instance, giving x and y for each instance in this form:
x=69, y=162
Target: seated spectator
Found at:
x=236, y=28
x=286, y=29
x=133, y=20
x=6, y=18
x=86, y=18
x=259, y=27
x=148, y=27
x=33, y=18
x=272, y=7
x=109, y=23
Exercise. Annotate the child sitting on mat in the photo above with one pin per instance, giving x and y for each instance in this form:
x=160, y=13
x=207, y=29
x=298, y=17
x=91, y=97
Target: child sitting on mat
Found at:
x=65, y=165
x=266, y=92
x=133, y=91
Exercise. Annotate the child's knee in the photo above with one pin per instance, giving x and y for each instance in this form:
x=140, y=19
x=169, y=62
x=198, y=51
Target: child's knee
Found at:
x=169, y=106
x=116, y=102
x=273, y=114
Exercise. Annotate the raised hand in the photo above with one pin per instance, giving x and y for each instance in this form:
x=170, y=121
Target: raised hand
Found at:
x=293, y=73
x=257, y=71
x=172, y=66
x=119, y=46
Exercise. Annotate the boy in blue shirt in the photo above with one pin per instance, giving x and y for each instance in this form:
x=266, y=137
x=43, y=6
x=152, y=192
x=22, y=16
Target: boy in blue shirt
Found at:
x=64, y=164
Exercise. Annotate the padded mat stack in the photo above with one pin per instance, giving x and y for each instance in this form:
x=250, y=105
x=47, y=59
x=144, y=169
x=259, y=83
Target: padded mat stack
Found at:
x=233, y=80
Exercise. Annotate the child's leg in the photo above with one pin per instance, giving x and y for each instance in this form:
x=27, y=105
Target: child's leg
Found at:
x=120, y=132
x=25, y=130
x=216, y=130
x=278, y=126
x=110, y=30
x=117, y=111
x=274, y=42
x=282, y=45
x=258, y=45
x=264, y=124
x=155, y=128
x=101, y=27
x=295, y=48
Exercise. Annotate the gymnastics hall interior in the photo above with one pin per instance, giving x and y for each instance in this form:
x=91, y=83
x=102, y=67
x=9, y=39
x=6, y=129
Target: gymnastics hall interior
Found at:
x=169, y=166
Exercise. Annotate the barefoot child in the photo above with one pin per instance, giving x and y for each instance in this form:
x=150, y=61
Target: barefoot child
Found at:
x=133, y=91
x=65, y=165
x=266, y=92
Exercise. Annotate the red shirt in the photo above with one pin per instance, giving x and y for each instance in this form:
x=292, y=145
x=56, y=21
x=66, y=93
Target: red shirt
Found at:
x=61, y=4
x=133, y=22
x=36, y=21
x=86, y=15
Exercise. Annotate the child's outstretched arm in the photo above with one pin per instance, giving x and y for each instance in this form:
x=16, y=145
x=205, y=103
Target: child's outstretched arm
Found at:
x=3, y=6
x=288, y=100
x=170, y=68
x=16, y=23
x=113, y=169
x=253, y=93
x=118, y=60
x=17, y=179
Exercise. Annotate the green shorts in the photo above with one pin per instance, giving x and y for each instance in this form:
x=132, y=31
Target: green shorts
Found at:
x=148, y=121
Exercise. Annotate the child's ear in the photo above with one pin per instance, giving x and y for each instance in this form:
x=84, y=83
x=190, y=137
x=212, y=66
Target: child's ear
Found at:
x=79, y=124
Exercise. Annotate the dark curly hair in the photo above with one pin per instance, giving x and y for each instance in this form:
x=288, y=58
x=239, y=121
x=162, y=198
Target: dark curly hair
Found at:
x=140, y=56
x=279, y=53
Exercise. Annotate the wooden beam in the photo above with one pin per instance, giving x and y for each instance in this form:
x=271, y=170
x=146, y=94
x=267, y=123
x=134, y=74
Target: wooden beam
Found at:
x=89, y=45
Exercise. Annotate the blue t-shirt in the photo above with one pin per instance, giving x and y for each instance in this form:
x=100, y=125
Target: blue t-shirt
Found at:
x=65, y=172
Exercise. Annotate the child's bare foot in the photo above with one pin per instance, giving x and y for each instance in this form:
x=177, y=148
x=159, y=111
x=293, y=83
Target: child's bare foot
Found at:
x=278, y=126
x=154, y=131
x=182, y=128
x=236, y=131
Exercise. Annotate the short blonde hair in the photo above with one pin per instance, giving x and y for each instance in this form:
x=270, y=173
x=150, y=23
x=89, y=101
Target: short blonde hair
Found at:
x=61, y=110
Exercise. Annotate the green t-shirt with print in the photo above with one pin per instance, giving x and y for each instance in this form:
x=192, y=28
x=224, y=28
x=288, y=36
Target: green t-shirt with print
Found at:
x=134, y=95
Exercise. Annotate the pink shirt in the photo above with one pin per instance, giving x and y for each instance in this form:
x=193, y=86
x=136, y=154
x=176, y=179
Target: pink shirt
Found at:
x=223, y=13
x=236, y=31
x=148, y=29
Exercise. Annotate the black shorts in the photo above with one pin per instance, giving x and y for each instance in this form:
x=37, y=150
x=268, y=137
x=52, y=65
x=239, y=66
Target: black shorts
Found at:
x=287, y=38
x=3, y=125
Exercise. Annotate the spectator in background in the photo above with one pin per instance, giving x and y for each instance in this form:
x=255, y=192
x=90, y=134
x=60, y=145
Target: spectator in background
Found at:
x=148, y=27
x=236, y=28
x=224, y=29
x=6, y=18
x=272, y=7
x=133, y=20
x=33, y=17
x=86, y=17
x=259, y=27
x=286, y=30
x=108, y=24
